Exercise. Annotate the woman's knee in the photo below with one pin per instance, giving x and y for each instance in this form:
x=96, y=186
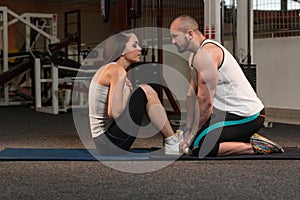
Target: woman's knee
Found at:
x=150, y=92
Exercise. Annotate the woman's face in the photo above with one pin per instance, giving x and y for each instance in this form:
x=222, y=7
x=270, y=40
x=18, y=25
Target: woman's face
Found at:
x=132, y=51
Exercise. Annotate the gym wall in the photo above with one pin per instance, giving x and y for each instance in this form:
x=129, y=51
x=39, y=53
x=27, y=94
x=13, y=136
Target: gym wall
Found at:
x=93, y=28
x=278, y=71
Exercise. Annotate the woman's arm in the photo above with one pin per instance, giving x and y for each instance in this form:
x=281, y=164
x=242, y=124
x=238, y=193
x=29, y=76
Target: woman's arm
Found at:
x=118, y=91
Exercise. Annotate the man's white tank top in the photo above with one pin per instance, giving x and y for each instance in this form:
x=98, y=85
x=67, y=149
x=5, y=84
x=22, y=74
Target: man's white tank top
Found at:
x=234, y=93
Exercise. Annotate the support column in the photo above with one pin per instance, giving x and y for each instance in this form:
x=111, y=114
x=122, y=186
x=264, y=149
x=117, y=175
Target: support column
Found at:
x=5, y=51
x=245, y=31
x=212, y=19
x=54, y=89
x=284, y=5
x=124, y=21
x=37, y=83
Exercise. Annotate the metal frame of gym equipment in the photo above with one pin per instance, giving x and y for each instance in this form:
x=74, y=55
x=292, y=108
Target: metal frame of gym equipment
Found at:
x=60, y=88
x=70, y=85
x=63, y=88
x=47, y=30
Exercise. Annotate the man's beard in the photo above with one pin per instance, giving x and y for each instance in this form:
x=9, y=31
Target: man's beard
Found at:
x=184, y=48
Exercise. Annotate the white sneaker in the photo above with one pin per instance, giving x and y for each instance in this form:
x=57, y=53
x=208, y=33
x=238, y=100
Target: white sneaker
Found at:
x=171, y=144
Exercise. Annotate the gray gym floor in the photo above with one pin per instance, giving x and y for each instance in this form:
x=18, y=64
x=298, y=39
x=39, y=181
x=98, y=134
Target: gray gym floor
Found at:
x=225, y=179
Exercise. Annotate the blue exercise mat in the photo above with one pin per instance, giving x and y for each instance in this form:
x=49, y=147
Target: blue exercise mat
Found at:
x=45, y=154
x=61, y=154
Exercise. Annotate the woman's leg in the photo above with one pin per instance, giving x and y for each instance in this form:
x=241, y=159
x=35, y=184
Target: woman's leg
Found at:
x=158, y=117
x=156, y=112
x=123, y=132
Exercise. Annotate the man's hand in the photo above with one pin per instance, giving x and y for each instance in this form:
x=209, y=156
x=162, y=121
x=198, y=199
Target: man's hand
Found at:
x=184, y=145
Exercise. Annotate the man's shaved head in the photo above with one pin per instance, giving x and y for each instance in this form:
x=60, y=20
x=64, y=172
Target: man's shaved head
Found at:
x=184, y=23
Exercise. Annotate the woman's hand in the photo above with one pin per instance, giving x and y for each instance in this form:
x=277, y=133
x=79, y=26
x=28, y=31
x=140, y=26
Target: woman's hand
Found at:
x=128, y=84
x=127, y=89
